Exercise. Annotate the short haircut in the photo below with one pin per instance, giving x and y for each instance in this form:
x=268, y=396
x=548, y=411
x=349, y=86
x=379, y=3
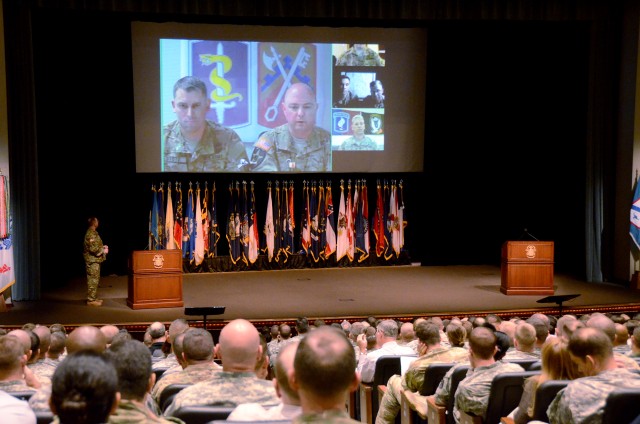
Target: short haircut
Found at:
x=58, y=342
x=525, y=334
x=388, y=327
x=285, y=331
x=58, y=327
x=132, y=361
x=428, y=333
x=590, y=341
x=325, y=362
x=284, y=364
x=604, y=323
x=190, y=83
x=83, y=388
x=197, y=344
x=483, y=342
x=11, y=350
x=542, y=329
x=157, y=330
x=302, y=325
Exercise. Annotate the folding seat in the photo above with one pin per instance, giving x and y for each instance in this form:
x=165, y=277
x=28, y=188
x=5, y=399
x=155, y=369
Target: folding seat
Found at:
x=413, y=408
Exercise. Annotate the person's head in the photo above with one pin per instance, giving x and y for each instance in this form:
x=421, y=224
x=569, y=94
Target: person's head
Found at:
x=302, y=325
x=132, y=361
x=275, y=331
x=324, y=368
x=157, y=331
x=556, y=361
x=591, y=349
x=58, y=327
x=635, y=340
x=509, y=327
x=44, y=334
x=345, y=85
x=84, y=389
x=356, y=329
x=86, y=337
x=482, y=343
x=239, y=346
x=357, y=126
x=525, y=337
x=109, y=332
x=190, y=103
x=542, y=330
x=456, y=334
x=495, y=320
x=285, y=331
x=406, y=332
x=177, y=326
x=284, y=367
x=262, y=364
x=93, y=222
x=428, y=334
x=377, y=90
x=177, y=347
x=387, y=331
x=25, y=340
x=12, y=356
x=604, y=323
x=197, y=345
x=299, y=107
x=561, y=323
x=570, y=327
x=57, y=345
x=622, y=335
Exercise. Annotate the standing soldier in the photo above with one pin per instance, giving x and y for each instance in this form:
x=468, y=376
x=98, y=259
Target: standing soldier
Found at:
x=94, y=254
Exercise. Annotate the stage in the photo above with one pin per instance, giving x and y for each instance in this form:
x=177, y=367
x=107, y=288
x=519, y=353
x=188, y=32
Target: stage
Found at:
x=402, y=292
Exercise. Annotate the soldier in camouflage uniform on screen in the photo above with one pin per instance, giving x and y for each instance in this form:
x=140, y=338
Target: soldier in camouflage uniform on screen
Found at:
x=194, y=144
x=583, y=400
x=239, y=349
x=94, y=254
x=299, y=145
x=431, y=352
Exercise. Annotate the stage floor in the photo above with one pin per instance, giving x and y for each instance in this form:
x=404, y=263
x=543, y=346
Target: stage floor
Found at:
x=330, y=293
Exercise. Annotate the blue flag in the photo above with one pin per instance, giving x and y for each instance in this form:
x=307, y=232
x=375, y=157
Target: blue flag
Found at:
x=634, y=228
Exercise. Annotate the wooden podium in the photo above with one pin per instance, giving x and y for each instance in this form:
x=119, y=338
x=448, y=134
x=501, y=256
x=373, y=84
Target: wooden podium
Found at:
x=527, y=268
x=155, y=280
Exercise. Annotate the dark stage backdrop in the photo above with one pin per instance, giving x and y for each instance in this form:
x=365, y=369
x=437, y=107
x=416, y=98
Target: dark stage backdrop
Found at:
x=504, y=144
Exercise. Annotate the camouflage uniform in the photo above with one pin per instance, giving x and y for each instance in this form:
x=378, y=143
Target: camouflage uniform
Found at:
x=626, y=361
x=190, y=375
x=583, y=400
x=472, y=395
x=351, y=58
x=93, y=256
x=44, y=369
x=514, y=353
x=39, y=402
x=219, y=150
x=13, y=386
x=332, y=416
x=276, y=151
x=226, y=388
x=133, y=412
x=412, y=380
x=166, y=363
x=444, y=388
x=352, y=143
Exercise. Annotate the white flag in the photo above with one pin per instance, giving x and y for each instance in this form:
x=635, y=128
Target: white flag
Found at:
x=268, y=228
x=169, y=223
x=198, y=253
x=342, y=244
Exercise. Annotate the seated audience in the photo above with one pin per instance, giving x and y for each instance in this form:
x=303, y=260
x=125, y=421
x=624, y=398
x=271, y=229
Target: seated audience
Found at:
x=177, y=326
x=57, y=347
x=407, y=333
x=608, y=327
x=583, y=399
x=524, y=343
x=43, y=367
x=289, y=406
x=621, y=341
x=197, y=361
x=15, y=376
x=556, y=365
x=109, y=332
x=238, y=349
x=84, y=389
x=132, y=362
x=158, y=334
x=324, y=375
x=431, y=352
x=387, y=344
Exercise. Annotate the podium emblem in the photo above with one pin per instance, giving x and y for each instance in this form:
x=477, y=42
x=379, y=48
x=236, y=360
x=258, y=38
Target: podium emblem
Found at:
x=530, y=251
x=158, y=261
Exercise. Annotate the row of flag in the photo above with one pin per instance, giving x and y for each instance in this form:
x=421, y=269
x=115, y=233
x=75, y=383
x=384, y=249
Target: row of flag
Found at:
x=196, y=230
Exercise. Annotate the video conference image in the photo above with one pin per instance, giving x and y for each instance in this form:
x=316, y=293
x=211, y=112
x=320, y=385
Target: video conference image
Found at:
x=229, y=105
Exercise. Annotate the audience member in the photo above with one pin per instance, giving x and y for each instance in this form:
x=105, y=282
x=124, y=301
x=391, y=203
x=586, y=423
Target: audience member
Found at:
x=561, y=324
x=57, y=346
x=239, y=349
x=84, y=389
x=109, y=332
x=635, y=343
x=197, y=349
x=556, y=365
x=430, y=352
x=177, y=326
x=542, y=332
x=583, y=399
x=456, y=334
x=15, y=376
x=407, y=334
x=43, y=367
x=158, y=333
x=58, y=327
x=472, y=394
x=621, y=342
x=302, y=328
x=262, y=364
x=387, y=344
x=608, y=327
x=285, y=338
x=132, y=362
x=323, y=376
x=289, y=406
x=524, y=343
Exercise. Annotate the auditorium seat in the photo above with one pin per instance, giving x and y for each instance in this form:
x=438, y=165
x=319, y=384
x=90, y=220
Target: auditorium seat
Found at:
x=413, y=407
x=524, y=363
x=167, y=395
x=202, y=414
x=545, y=393
x=504, y=397
x=386, y=366
x=23, y=394
x=622, y=406
x=438, y=414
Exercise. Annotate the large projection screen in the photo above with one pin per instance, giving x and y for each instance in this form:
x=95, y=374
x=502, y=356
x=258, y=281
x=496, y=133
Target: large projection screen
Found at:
x=247, y=69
